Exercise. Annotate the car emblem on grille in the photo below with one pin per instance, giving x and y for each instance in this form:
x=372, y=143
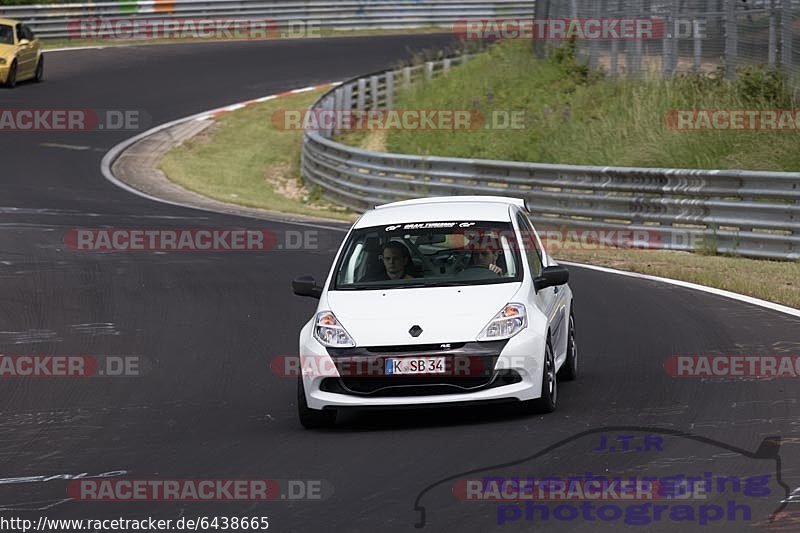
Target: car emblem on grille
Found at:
x=415, y=331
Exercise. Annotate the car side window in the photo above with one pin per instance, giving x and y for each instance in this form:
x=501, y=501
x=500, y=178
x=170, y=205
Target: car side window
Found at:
x=532, y=252
x=18, y=31
x=27, y=33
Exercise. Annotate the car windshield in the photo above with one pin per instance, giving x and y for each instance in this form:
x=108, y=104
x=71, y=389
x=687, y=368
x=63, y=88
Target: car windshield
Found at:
x=6, y=34
x=429, y=254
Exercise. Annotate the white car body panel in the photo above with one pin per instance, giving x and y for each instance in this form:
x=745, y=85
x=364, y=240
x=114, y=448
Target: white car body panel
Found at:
x=445, y=314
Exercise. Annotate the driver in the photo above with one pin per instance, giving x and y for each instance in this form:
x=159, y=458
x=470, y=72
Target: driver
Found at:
x=396, y=260
x=487, y=259
x=486, y=253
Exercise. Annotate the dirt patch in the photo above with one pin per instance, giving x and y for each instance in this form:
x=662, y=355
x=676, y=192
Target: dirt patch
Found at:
x=375, y=141
x=283, y=179
x=203, y=138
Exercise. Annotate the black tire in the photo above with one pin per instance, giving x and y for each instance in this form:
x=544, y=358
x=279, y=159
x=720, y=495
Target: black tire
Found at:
x=548, y=402
x=569, y=371
x=11, y=81
x=38, y=77
x=312, y=418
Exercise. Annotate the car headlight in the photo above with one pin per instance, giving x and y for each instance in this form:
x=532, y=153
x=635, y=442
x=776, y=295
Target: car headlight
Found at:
x=329, y=332
x=2, y=61
x=508, y=322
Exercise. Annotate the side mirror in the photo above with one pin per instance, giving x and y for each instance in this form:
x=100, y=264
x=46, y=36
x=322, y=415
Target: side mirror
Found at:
x=24, y=42
x=306, y=286
x=551, y=277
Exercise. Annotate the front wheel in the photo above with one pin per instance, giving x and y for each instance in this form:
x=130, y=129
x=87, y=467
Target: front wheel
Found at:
x=11, y=81
x=569, y=371
x=549, y=399
x=39, y=76
x=312, y=418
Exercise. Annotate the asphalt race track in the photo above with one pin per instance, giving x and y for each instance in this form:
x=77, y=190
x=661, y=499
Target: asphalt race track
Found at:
x=209, y=324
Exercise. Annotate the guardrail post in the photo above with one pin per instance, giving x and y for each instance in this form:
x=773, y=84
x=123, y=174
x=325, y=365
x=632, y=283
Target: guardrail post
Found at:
x=731, y=39
x=332, y=112
x=406, y=77
x=348, y=97
x=373, y=86
x=773, y=35
x=446, y=65
x=698, y=43
x=669, y=46
x=361, y=98
x=614, y=67
x=338, y=96
x=786, y=37
x=428, y=70
x=541, y=11
x=390, y=90
x=594, y=44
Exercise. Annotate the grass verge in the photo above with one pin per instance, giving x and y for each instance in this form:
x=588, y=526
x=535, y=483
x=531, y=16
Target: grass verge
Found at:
x=774, y=281
x=572, y=116
x=242, y=159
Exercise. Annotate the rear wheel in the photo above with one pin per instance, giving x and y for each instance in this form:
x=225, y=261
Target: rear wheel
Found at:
x=312, y=418
x=39, y=76
x=549, y=398
x=11, y=81
x=569, y=371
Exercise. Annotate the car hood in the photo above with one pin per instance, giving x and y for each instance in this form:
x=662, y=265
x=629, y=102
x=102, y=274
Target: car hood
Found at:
x=445, y=314
x=6, y=50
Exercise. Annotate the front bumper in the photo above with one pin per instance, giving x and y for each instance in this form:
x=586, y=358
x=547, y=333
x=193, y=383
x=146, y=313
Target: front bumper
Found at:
x=4, y=73
x=512, y=372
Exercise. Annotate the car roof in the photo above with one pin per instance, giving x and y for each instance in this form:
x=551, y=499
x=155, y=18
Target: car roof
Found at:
x=9, y=22
x=442, y=209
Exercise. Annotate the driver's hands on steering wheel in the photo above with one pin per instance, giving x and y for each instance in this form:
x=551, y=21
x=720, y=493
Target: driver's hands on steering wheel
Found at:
x=496, y=269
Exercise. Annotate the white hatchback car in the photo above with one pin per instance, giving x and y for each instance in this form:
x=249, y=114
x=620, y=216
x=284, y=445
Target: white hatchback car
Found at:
x=437, y=301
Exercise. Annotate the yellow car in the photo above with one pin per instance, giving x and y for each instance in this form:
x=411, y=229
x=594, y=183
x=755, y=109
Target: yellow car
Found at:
x=21, y=55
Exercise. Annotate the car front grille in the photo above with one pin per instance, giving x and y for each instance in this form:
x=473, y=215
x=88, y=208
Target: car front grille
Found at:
x=416, y=385
x=469, y=368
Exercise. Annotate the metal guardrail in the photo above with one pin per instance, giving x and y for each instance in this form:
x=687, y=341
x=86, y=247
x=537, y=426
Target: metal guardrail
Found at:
x=59, y=20
x=754, y=214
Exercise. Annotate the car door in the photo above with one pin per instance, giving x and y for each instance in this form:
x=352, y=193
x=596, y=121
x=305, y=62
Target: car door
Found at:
x=36, y=46
x=548, y=300
x=26, y=53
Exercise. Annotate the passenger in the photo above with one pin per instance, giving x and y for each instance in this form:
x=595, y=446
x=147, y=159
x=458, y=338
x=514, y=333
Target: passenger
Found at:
x=396, y=260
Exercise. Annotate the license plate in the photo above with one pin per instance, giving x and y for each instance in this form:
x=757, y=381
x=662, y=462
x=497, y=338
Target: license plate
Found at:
x=415, y=365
